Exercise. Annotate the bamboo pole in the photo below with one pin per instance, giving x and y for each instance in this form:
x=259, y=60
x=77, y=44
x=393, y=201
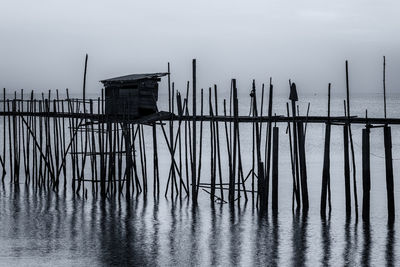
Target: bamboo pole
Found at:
x=303, y=167
x=275, y=160
x=180, y=113
x=346, y=166
x=200, y=141
x=384, y=85
x=4, y=137
x=212, y=145
x=326, y=166
x=194, y=134
x=389, y=173
x=188, y=149
x=366, y=173
x=351, y=143
x=235, y=138
x=293, y=97
x=227, y=136
x=269, y=136
x=156, y=174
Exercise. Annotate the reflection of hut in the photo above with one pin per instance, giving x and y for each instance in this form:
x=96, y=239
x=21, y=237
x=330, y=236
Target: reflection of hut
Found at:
x=134, y=95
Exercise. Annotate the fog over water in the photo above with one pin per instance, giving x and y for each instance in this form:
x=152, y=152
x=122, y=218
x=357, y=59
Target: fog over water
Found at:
x=43, y=43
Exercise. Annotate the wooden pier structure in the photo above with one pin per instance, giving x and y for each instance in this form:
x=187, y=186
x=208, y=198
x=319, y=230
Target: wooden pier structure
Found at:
x=54, y=142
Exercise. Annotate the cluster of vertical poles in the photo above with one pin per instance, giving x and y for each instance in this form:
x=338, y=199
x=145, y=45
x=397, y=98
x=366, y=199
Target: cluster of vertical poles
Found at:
x=297, y=137
x=46, y=143
x=366, y=168
x=51, y=139
x=260, y=163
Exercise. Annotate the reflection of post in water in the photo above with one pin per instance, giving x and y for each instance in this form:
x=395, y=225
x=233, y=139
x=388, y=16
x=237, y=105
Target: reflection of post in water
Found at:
x=215, y=236
x=194, y=250
x=235, y=237
x=326, y=241
x=155, y=243
x=347, y=240
x=390, y=245
x=275, y=241
x=350, y=250
x=173, y=236
x=299, y=239
x=261, y=251
x=270, y=238
x=365, y=260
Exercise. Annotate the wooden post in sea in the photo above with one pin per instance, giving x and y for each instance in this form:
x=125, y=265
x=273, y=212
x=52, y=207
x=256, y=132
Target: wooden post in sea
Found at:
x=351, y=142
x=229, y=151
x=387, y=134
x=268, y=142
x=303, y=167
x=235, y=138
x=4, y=137
x=366, y=173
x=172, y=176
x=275, y=157
x=92, y=149
x=217, y=143
x=156, y=173
x=260, y=186
x=384, y=86
x=389, y=172
x=144, y=165
x=188, y=146
x=253, y=138
x=180, y=113
x=260, y=173
x=194, y=169
x=240, y=180
x=293, y=98
x=346, y=165
x=201, y=138
x=84, y=81
x=213, y=146
x=326, y=166
x=134, y=168
x=294, y=183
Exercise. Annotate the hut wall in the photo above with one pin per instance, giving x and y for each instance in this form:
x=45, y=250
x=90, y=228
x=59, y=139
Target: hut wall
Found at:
x=136, y=99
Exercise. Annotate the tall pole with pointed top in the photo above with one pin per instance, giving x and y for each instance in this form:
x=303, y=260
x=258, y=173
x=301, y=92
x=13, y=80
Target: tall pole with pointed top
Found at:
x=194, y=187
x=293, y=98
x=84, y=80
x=387, y=133
x=269, y=131
x=384, y=85
x=326, y=166
x=351, y=142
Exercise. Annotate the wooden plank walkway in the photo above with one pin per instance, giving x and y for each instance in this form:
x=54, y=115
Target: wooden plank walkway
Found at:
x=166, y=116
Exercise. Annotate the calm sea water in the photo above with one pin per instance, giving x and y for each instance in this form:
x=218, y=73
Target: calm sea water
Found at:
x=47, y=228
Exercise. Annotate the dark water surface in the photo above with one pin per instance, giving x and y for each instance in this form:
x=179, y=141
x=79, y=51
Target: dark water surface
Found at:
x=39, y=228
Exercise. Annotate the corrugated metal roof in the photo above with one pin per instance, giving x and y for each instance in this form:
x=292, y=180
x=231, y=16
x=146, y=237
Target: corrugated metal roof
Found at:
x=135, y=77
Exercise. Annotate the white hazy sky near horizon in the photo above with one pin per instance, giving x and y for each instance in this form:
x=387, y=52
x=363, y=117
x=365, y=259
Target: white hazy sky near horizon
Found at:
x=43, y=43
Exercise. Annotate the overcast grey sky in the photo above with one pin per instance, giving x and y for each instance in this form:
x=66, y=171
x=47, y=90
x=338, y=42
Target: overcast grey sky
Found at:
x=43, y=43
